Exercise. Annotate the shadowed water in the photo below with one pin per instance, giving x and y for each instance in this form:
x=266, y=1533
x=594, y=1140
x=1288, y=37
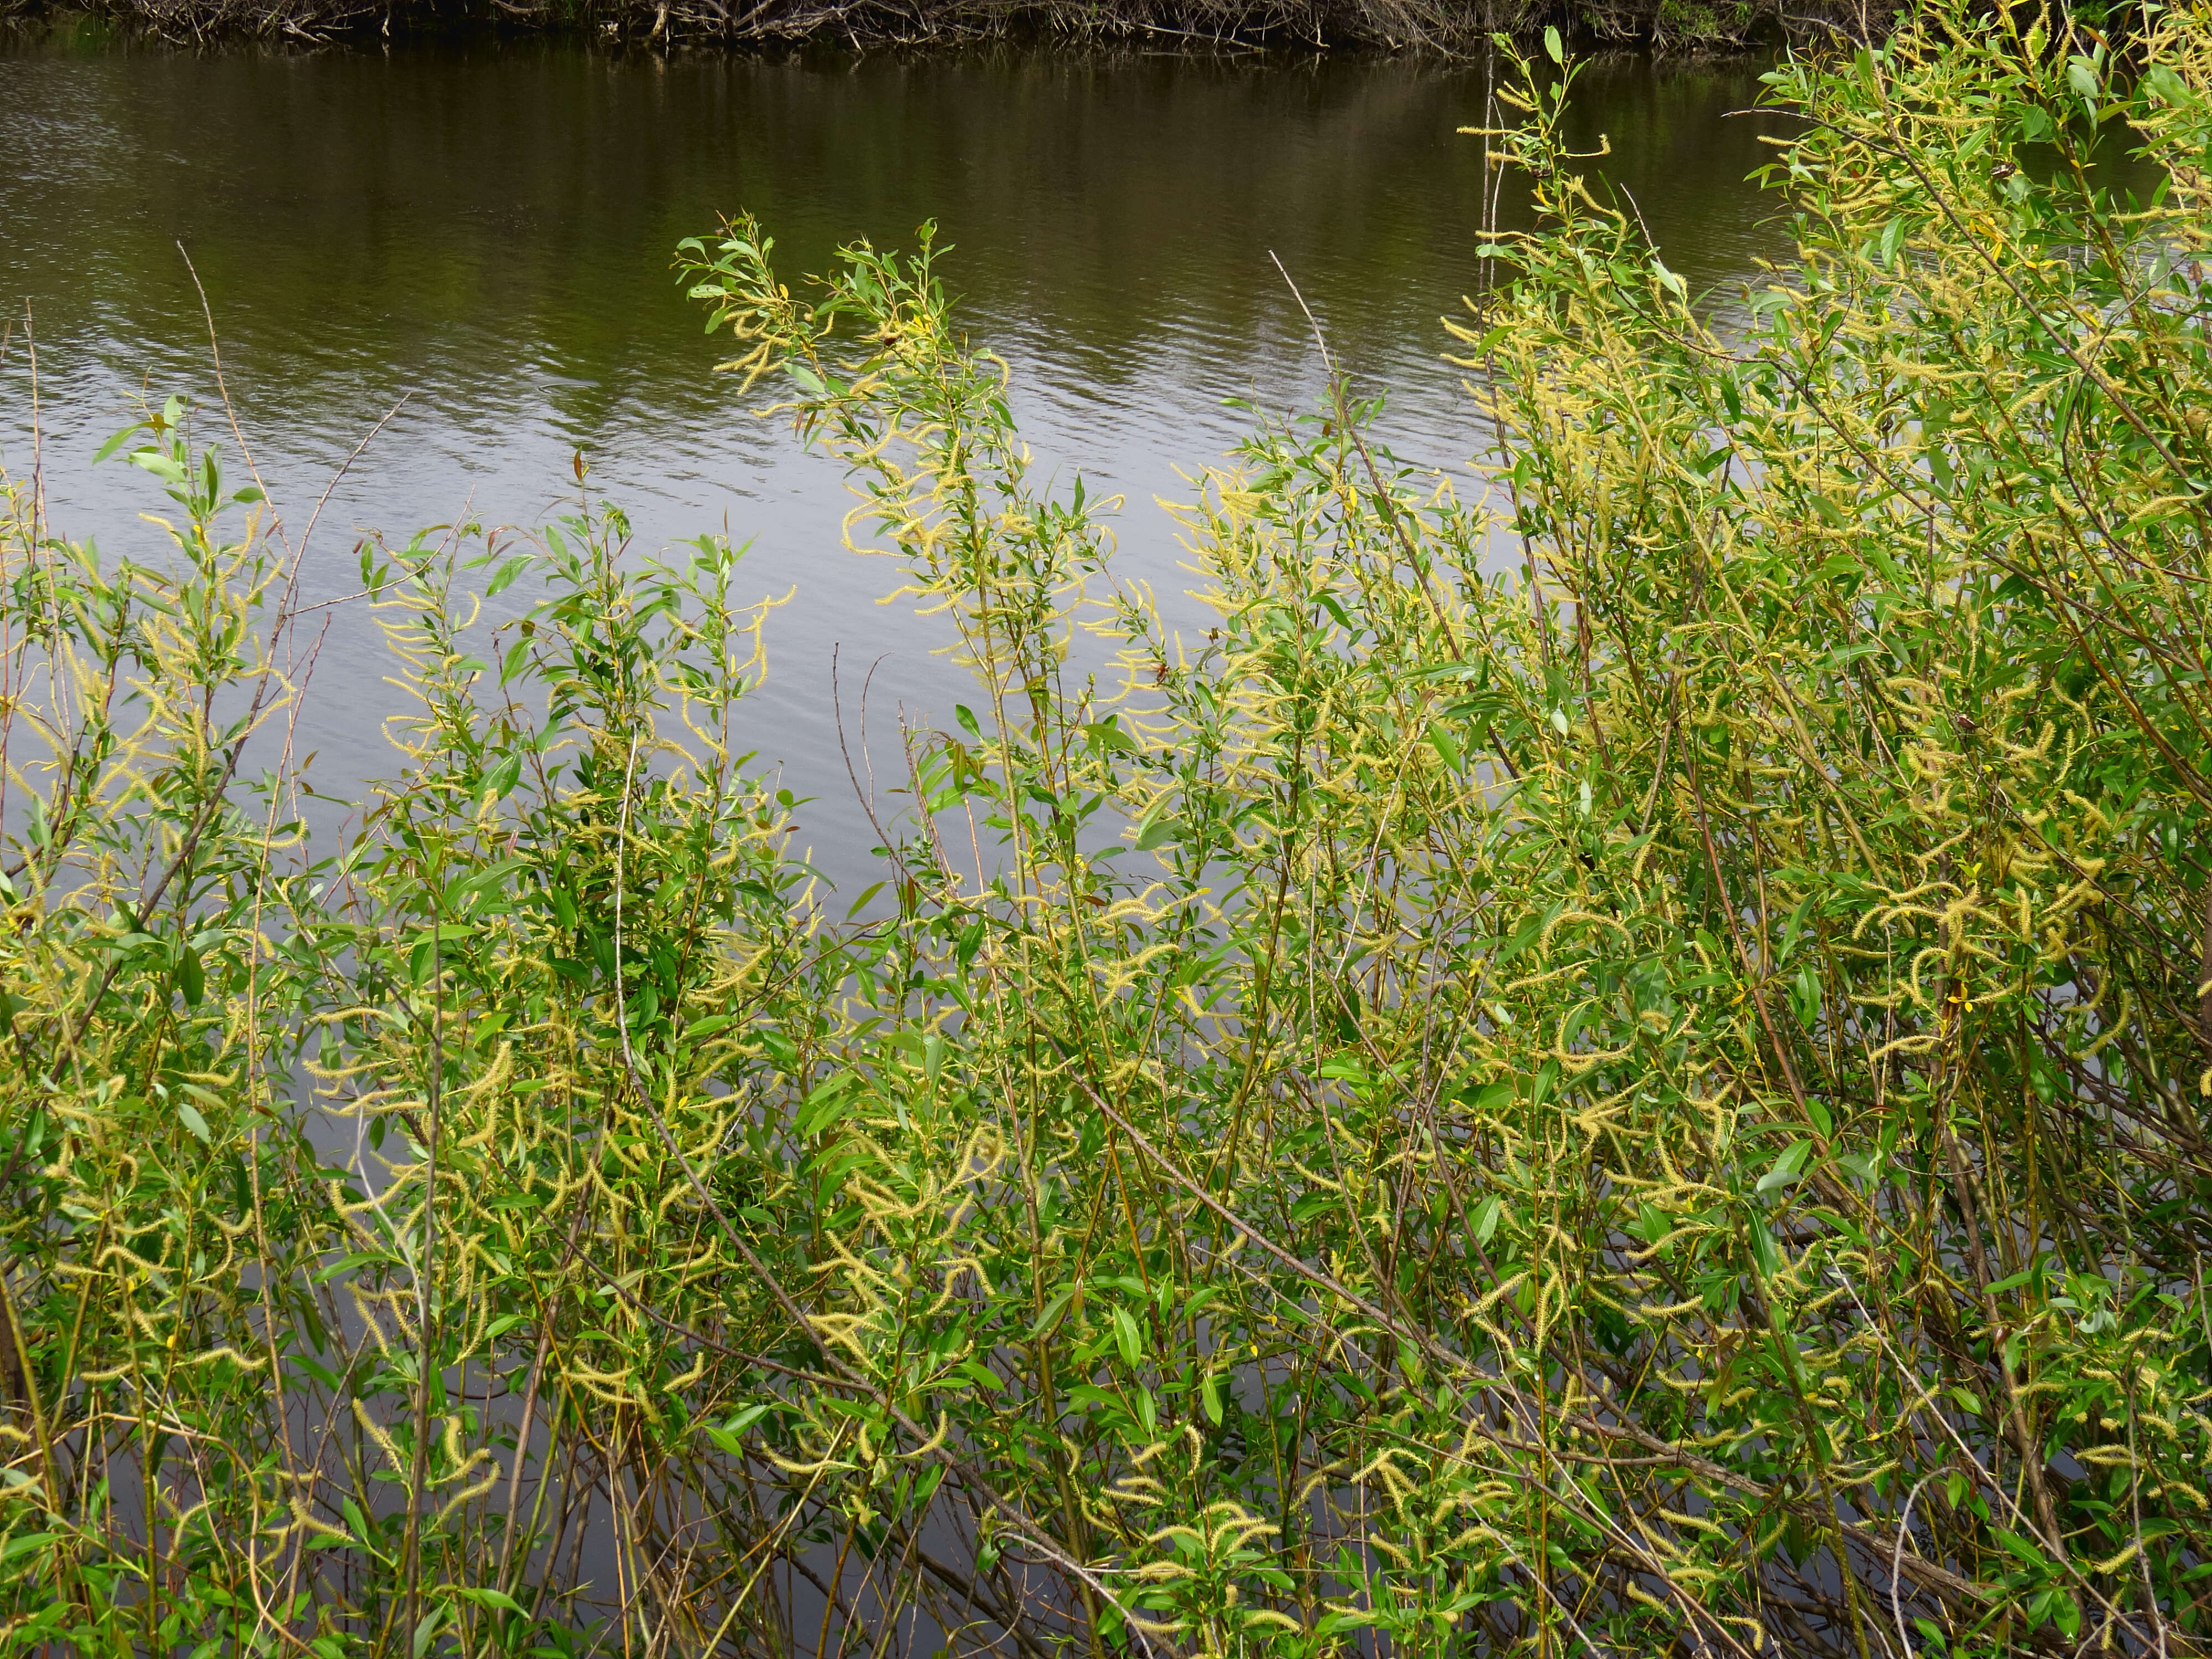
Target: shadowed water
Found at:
x=485, y=229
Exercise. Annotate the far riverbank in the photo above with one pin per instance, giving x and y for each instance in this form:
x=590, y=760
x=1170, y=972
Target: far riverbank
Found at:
x=1445, y=27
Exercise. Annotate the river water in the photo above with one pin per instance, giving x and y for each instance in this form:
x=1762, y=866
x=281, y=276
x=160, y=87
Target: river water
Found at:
x=484, y=229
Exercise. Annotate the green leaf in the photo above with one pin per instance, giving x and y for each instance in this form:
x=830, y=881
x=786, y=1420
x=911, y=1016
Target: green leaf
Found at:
x=1049, y=1319
x=506, y=574
x=1158, y=827
x=982, y=1376
x=729, y=1435
x=1447, y=750
x=1484, y=1221
x=500, y=782
x=824, y=1104
x=1764, y=1253
x=497, y=1599
x=1786, y=1167
x=1127, y=1338
x=1105, y=734
x=1892, y=237
x=1490, y=1098
x=118, y=440
x=189, y=1115
x=346, y=1263
x=358, y=1522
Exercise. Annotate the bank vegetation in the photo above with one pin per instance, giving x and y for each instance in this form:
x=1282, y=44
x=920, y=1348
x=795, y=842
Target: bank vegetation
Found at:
x=1620, y=1067
x=1445, y=27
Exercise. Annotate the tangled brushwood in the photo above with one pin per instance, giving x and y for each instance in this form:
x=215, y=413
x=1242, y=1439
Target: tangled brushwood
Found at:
x=1653, y=1104
x=1446, y=28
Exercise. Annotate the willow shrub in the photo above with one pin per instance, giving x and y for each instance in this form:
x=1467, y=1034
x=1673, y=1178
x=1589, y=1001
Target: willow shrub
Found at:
x=1651, y=1103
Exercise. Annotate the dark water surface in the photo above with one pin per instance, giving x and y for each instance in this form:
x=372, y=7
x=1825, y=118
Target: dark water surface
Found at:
x=487, y=229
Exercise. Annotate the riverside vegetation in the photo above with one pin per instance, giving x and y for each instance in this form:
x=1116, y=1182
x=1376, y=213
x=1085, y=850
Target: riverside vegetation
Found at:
x=1653, y=1102
x=1447, y=26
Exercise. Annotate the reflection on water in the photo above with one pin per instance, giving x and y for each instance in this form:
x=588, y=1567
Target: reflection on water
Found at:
x=486, y=228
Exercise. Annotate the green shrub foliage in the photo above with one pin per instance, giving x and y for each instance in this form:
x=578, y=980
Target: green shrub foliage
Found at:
x=1650, y=1102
